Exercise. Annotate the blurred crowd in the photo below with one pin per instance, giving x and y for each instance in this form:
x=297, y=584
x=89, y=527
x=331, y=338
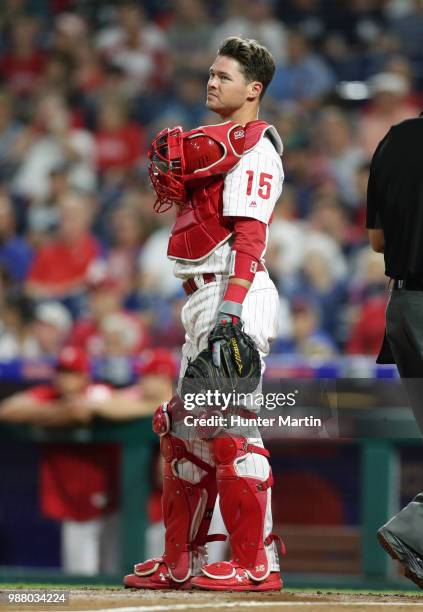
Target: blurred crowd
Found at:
x=84, y=87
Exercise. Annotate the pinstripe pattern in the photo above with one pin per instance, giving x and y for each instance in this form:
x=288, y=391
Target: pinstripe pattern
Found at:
x=236, y=201
x=259, y=314
x=262, y=158
x=217, y=262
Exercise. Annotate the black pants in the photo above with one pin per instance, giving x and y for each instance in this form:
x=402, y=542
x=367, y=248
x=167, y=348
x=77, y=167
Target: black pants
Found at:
x=404, y=327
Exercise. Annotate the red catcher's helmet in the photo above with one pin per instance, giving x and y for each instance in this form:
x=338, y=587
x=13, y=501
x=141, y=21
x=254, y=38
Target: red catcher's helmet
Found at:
x=173, y=158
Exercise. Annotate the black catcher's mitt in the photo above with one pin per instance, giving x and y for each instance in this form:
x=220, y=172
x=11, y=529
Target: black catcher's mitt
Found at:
x=240, y=367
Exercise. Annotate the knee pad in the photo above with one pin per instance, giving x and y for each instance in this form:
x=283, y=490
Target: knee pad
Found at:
x=166, y=414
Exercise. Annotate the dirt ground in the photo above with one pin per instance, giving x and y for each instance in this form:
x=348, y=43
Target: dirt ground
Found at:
x=168, y=601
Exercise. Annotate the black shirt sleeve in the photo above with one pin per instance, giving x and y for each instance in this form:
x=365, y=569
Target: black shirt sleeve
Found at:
x=373, y=220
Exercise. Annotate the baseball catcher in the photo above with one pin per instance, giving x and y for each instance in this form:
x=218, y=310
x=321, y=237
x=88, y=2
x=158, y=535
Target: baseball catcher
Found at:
x=224, y=181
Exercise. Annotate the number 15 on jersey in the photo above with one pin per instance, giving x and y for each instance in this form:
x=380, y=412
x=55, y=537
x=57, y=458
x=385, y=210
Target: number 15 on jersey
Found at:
x=264, y=184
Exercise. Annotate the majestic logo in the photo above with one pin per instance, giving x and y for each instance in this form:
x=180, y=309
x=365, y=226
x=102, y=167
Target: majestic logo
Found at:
x=253, y=204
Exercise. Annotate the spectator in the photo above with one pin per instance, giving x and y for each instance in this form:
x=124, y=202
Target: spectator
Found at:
x=51, y=327
x=401, y=65
x=286, y=243
x=156, y=371
x=31, y=331
x=368, y=278
x=304, y=78
x=17, y=339
x=138, y=47
x=293, y=126
x=127, y=237
x=43, y=215
x=368, y=329
x=308, y=339
x=58, y=74
x=15, y=252
x=70, y=32
x=303, y=174
x=319, y=241
x=309, y=16
x=186, y=106
x=254, y=19
x=119, y=142
x=156, y=272
x=10, y=129
x=190, y=34
x=21, y=67
x=343, y=156
x=168, y=331
x=398, y=8
x=330, y=218
x=51, y=140
x=408, y=28
x=317, y=285
x=89, y=75
x=359, y=23
x=105, y=300
x=346, y=65
x=295, y=242
x=74, y=247
x=389, y=105
x=121, y=335
x=122, y=338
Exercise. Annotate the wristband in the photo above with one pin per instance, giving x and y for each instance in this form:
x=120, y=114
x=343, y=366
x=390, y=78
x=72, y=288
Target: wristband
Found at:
x=229, y=310
x=235, y=293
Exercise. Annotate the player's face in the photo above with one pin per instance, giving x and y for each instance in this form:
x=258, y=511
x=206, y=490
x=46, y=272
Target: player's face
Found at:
x=70, y=383
x=227, y=89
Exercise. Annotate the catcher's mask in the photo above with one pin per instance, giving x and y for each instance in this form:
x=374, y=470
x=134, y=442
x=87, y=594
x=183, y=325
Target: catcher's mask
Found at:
x=174, y=157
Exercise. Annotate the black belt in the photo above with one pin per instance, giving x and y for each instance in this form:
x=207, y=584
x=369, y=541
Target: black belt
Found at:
x=408, y=284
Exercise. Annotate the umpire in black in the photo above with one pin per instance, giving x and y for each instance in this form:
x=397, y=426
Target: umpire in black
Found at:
x=395, y=225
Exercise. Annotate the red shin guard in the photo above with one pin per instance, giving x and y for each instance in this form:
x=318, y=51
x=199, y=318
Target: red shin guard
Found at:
x=187, y=509
x=243, y=502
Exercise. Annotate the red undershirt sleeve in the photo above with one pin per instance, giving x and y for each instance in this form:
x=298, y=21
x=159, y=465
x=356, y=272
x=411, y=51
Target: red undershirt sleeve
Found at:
x=249, y=245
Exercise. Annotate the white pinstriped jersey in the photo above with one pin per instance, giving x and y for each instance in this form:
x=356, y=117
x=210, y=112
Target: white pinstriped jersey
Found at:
x=251, y=189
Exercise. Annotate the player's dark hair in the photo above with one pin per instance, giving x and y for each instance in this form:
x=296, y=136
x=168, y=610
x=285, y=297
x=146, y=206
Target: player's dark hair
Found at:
x=257, y=63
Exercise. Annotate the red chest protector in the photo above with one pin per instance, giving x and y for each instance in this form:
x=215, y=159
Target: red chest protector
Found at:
x=200, y=226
